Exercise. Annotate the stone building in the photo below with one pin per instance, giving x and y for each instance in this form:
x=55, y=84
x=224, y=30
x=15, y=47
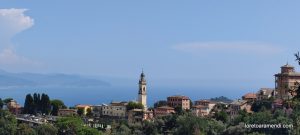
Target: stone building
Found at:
x=67, y=112
x=115, y=109
x=236, y=106
x=206, y=103
x=286, y=82
x=179, y=101
x=200, y=110
x=163, y=111
x=265, y=93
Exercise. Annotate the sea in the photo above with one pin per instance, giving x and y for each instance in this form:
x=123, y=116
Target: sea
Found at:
x=72, y=96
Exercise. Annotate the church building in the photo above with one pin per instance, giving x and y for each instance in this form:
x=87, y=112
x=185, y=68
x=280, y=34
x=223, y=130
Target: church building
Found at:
x=287, y=82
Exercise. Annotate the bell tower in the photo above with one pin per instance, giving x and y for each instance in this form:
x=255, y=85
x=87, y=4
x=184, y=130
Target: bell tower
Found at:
x=143, y=91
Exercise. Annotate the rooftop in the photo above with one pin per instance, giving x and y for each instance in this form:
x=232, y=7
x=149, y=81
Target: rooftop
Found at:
x=83, y=106
x=238, y=102
x=287, y=66
x=249, y=96
x=165, y=107
x=179, y=96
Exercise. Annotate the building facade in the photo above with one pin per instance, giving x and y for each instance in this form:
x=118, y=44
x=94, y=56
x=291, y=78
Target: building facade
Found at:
x=163, y=111
x=286, y=82
x=142, y=94
x=208, y=105
x=115, y=109
x=179, y=101
x=200, y=110
x=67, y=112
x=14, y=107
x=265, y=93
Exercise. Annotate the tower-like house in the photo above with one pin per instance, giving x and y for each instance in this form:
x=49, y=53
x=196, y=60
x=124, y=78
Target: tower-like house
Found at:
x=285, y=81
x=143, y=91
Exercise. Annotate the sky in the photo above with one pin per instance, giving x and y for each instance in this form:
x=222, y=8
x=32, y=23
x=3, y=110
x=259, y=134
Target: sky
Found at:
x=219, y=44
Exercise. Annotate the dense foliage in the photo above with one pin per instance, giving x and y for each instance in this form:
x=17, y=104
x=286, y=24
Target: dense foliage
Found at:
x=74, y=126
x=37, y=104
x=57, y=104
x=134, y=105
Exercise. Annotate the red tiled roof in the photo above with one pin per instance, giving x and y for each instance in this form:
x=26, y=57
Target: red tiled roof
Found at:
x=249, y=95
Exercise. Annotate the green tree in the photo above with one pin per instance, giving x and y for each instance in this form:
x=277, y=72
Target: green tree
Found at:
x=88, y=131
x=28, y=105
x=89, y=112
x=1, y=104
x=68, y=125
x=45, y=104
x=57, y=104
x=149, y=128
x=222, y=116
x=8, y=123
x=80, y=111
x=74, y=126
x=24, y=129
x=46, y=129
x=36, y=102
x=7, y=100
x=260, y=104
x=134, y=105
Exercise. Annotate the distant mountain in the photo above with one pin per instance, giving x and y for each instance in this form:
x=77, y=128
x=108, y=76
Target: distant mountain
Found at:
x=221, y=99
x=34, y=79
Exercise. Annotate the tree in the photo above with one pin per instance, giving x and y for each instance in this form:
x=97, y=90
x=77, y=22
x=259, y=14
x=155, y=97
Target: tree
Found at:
x=80, y=111
x=88, y=131
x=36, y=101
x=7, y=100
x=45, y=104
x=179, y=110
x=8, y=123
x=28, y=105
x=222, y=116
x=74, y=126
x=56, y=105
x=1, y=104
x=259, y=105
x=46, y=129
x=89, y=112
x=24, y=129
x=134, y=105
x=68, y=125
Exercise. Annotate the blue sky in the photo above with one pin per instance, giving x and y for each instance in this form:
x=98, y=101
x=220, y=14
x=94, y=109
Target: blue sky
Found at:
x=239, y=44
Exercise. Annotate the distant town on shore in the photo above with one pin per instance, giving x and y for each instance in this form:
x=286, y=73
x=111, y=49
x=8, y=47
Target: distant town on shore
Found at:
x=279, y=104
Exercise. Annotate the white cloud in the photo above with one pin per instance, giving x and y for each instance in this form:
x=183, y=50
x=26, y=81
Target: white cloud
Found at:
x=12, y=22
x=229, y=47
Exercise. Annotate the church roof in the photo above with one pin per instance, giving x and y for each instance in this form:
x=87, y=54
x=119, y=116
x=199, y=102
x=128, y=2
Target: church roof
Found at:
x=287, y=66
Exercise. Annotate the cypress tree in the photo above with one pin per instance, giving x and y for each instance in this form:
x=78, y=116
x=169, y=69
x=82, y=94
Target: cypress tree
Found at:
x=1, y=103
x=29, y=105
